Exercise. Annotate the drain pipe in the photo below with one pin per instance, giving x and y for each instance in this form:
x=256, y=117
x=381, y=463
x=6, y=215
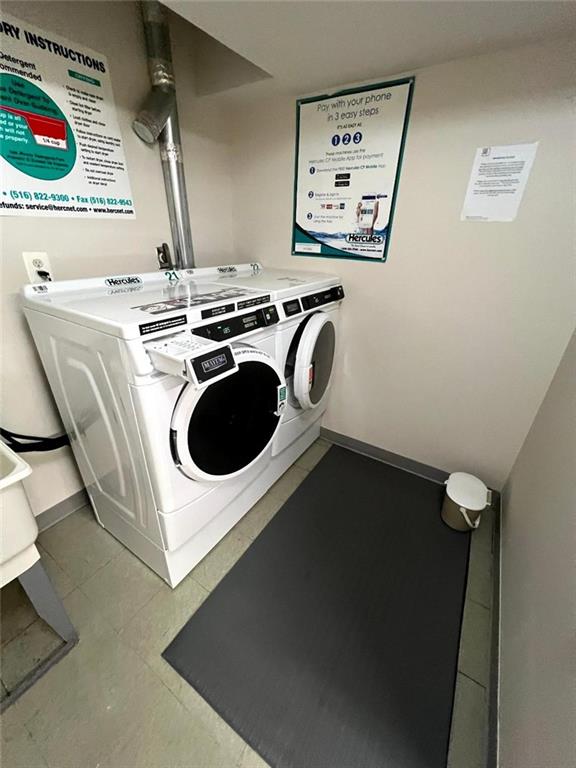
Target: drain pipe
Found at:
x=158, y=121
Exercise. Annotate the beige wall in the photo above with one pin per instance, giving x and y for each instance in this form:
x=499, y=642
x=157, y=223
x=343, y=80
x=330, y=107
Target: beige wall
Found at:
x=538, y=603
x=450, y=346
x=84, y=247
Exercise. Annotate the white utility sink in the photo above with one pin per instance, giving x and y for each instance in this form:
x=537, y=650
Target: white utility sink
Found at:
x=18, y=528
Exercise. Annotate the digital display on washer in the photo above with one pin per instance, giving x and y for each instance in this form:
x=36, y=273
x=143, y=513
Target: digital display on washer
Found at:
x=250, y=321
x=213, y=364
x=235, y=326
x=292, y=307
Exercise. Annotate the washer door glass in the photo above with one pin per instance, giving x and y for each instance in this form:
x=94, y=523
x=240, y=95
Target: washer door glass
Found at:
x=227, y=426
x=312, y=359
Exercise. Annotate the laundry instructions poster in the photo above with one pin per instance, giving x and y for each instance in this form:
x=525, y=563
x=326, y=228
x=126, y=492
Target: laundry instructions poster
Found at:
x=349, y=148
x=61, y=151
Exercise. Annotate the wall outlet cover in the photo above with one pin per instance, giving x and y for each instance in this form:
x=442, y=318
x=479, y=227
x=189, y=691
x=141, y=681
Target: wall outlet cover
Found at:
x=37, y=266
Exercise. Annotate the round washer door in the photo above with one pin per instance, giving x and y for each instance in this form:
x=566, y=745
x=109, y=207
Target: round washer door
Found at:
x=314, y=360
x=220, y=431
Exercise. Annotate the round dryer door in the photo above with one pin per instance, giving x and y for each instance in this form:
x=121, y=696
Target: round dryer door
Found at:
x=220, y=431
x=314, y=357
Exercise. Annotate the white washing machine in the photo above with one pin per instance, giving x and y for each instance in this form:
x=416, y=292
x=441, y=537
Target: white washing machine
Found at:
x=172, y=387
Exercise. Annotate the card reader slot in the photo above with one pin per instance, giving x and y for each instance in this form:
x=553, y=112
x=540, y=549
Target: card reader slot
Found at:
x=197, y=360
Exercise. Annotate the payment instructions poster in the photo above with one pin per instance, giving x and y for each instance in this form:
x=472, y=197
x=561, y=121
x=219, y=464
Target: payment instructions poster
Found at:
x=349, y=148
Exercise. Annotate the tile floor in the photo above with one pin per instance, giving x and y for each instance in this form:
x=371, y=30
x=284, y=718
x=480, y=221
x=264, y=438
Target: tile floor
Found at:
x=113, y=702
x=469, y=736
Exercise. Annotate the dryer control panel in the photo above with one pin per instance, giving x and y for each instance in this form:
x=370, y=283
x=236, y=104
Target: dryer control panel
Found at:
x=324, y=297
x=235, y=326
x=199, y=361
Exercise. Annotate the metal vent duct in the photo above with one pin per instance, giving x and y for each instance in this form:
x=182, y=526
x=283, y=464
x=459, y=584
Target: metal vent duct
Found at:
x=158, y=121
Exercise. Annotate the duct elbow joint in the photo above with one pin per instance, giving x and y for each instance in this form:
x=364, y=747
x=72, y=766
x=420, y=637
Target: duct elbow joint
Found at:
x=153, y=115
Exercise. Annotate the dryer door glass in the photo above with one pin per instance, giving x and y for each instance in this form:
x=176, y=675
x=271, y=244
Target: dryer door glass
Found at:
x=234, y=420
x=313, y=358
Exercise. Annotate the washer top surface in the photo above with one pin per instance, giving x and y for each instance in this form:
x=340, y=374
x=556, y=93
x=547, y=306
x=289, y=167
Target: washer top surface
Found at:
x=134, y=305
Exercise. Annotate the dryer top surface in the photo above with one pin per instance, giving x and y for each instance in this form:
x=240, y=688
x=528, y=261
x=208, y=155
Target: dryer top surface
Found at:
x=281, y=283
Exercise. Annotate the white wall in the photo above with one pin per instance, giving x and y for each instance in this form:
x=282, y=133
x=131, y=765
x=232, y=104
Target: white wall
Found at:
x=538, y=604
x=450, y=346
x=84, y=247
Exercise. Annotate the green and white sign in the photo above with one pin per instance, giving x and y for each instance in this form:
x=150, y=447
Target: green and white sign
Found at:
x=349, y=149
x=61, y=151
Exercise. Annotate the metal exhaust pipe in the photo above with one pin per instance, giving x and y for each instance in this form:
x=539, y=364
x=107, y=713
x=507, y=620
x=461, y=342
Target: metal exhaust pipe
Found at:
x=158, y=121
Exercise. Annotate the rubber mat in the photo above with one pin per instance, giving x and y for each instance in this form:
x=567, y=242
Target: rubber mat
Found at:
x=333, y=641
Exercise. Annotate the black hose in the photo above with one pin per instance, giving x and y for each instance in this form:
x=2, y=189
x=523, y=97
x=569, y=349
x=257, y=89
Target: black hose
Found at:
x=33, y=442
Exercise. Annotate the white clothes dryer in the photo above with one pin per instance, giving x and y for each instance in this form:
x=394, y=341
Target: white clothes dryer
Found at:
x=306, y=345
x=172, y=388
x=307, y=350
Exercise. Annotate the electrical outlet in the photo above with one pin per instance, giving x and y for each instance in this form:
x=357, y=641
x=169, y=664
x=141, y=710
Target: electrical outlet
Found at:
x=37, y=266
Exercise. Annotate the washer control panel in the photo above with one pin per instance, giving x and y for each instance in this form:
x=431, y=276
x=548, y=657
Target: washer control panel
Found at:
x=235, y=326
x=197, y=360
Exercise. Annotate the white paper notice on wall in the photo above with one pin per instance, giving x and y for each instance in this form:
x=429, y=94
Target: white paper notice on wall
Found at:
x=497, y=182
x=61, y=151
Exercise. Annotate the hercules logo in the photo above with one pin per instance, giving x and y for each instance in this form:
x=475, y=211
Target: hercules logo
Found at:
x=356, y=238
x=128, y=280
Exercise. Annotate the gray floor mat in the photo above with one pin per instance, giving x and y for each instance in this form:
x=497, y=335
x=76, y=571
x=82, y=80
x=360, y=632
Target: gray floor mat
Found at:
x=333, y=642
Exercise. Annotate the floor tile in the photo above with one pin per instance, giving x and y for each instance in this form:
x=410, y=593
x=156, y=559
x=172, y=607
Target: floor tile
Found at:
x=156, y=624
x=482, y=537
x=259, y=516
x=200, y=711
x=474, y=658
x=95, y=697
x=251, y=759
x=288, y=483
x=26, y=651
x=312, y=456
x=18, y=748
x=150, y=632
x=128, y=582
x=218, y=562
x=16, y=611
x=468, y=738
x=479, y=586
x=89, y=626
x=82, y=549
x=53, y=536
x=171, y=736
x=61, y=582
x=85, y=618
x=152, y=629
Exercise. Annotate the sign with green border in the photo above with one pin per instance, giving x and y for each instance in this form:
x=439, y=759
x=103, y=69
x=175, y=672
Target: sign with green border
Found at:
x=349, y=150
